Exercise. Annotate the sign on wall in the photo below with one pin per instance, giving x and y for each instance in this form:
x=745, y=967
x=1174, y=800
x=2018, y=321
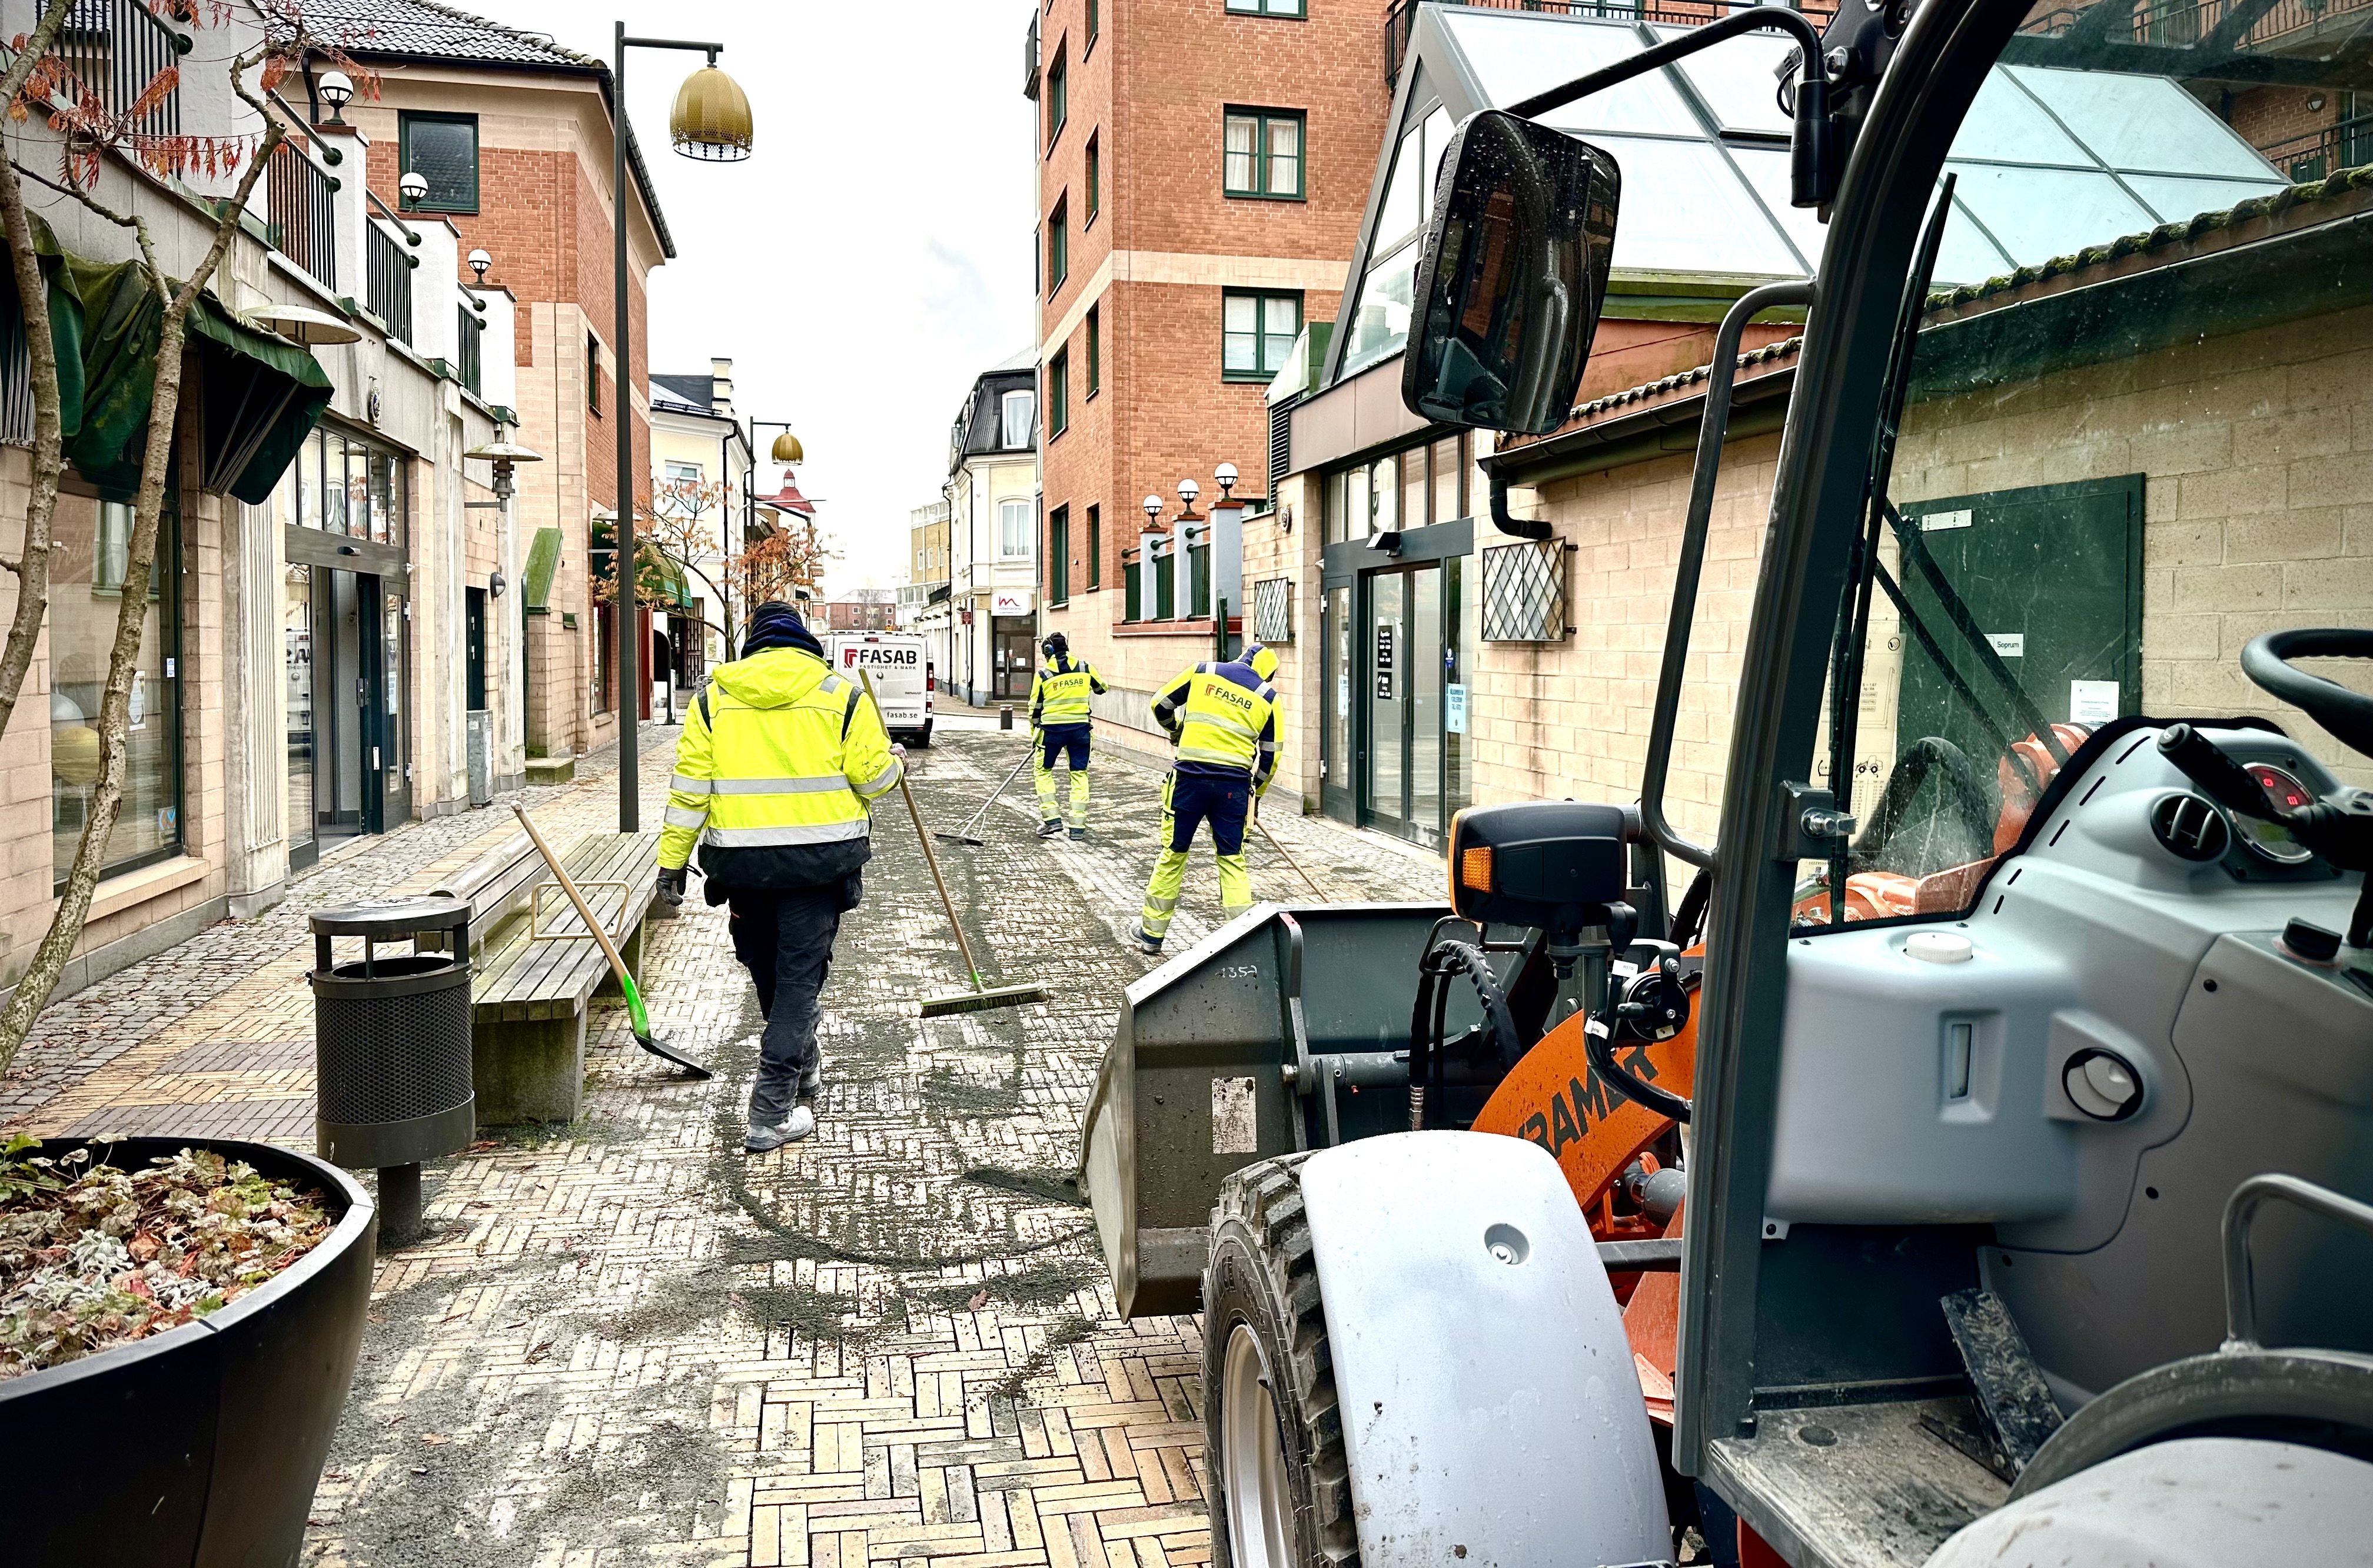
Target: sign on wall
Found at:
x=1009, y=601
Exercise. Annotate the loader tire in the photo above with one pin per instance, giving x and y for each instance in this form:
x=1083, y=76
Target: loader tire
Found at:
x=1271, y=1428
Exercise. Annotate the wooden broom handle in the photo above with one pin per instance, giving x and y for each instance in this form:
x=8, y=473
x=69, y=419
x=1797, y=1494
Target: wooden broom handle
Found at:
x=609, y=950
x=924, y=839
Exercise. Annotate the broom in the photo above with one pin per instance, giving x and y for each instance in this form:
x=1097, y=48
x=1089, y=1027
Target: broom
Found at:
x=643, y=1036
x=964, y=835
x=980, y=998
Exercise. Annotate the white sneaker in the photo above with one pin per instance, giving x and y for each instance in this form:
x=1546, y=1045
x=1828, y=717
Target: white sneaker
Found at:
x=766, y=1139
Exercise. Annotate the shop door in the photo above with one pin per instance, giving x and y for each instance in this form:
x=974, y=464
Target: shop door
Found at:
x=473, y=649
x=358, y=708
x=1401, y=732
x=1337, y=794
x=1015, y=663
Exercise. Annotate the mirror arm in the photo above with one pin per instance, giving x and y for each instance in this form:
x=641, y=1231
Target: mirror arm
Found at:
x=1773, y=18
x=1715, y=423
x=1521, y=527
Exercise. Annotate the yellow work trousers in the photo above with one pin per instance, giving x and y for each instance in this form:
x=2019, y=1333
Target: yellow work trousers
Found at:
x=1073, y=747
x=1188, y=801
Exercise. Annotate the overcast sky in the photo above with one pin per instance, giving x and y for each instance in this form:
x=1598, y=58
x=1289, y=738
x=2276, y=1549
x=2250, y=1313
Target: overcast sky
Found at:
x=871, y=257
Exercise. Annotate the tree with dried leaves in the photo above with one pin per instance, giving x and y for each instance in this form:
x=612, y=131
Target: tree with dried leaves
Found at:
x=95, y=133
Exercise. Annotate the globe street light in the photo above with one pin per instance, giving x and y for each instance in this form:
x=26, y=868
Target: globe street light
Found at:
x=711, y=123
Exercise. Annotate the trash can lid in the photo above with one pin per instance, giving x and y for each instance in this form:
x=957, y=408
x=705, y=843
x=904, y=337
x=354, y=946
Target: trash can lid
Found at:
x=392, y=919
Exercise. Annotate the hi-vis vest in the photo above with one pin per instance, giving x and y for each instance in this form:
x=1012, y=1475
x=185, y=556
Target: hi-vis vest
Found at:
x=1061, y=696
x=777, y=763
x=1224, y=718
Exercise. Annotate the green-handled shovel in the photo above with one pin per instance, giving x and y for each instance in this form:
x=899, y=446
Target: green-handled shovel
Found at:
x=642, y=1021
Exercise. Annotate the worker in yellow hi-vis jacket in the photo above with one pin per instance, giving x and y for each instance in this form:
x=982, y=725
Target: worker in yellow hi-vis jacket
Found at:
x=1058, y=713
x=775, y=776
x=1222, y=717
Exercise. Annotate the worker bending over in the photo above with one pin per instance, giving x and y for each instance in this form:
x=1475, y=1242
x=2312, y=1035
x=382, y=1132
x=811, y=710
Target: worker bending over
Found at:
x=1223, y=720
x=774, y=776
x=1058, y=712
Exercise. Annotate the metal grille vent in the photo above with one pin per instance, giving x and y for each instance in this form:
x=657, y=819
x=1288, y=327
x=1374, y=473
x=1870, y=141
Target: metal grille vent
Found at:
x=1281, y=446
x=1523, y=592
x=1273, y=610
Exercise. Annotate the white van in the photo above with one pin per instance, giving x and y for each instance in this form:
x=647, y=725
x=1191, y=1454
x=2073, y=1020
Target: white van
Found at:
x=902, y=677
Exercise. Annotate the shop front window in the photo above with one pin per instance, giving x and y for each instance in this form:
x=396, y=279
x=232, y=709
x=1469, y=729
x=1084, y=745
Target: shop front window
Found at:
x=86, y=592
x=297, y=658
x=341, y=484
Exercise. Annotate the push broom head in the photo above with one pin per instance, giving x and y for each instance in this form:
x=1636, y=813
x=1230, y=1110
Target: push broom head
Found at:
x=987, y=1001
x=961, y=838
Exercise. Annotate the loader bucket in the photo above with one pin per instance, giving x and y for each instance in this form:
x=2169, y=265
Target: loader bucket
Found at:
x=1276, y=1033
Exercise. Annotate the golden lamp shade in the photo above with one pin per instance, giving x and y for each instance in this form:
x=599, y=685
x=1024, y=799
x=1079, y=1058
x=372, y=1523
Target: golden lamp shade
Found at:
x=787, y=450
x=711, y=121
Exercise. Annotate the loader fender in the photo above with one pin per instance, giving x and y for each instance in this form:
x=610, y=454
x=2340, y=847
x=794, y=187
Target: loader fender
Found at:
x=1490, y=1409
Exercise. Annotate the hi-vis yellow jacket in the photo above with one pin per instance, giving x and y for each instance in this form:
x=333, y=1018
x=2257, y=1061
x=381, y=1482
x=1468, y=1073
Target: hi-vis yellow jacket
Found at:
x=1224, y=718
x=778, y=762
x=1059, y=695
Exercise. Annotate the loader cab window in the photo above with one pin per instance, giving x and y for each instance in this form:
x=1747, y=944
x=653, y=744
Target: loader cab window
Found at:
x=2104, y=479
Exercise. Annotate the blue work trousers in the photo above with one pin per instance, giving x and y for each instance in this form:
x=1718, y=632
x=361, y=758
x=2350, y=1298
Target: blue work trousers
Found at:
x=784, y=938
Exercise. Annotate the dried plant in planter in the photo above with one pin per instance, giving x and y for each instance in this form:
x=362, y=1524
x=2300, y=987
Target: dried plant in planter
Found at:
x=92, y=1256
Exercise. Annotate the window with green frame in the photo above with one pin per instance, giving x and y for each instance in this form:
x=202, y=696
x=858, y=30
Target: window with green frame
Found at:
x=1059, y=556
x=443, y=151
x=1095, y=179
x=1095, y=548
x=1263, y=154
x=1262, y=7
x=1058, y=245
x=1058, y=98
x=1257, y=332
x=1096, y=350
x=1091, y=30
x=1058, y=393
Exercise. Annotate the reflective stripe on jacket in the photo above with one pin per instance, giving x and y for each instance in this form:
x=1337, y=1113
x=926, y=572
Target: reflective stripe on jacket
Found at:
x=1223, y=720
x=1059, y=695
x=778, y=762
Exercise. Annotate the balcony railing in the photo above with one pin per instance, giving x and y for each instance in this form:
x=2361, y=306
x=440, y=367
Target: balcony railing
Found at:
x=296, y=199
x=2223, y=25
x=389, y=265
x=2302, y=159
x=468, y=353
x=115, y=48
x=1401, y=19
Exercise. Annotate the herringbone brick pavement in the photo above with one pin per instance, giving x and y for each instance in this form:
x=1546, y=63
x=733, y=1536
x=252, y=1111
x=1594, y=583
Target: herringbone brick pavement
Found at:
x=626, y=1341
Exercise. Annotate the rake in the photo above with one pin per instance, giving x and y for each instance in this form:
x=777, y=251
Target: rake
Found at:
x=643, y=1036
x=980, y=998
x=964, y=835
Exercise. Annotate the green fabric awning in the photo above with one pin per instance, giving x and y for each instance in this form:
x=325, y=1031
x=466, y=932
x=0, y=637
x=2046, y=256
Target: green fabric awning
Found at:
x=256, y=397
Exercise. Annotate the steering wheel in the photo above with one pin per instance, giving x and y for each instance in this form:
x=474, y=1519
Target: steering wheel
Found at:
x=2348, y=714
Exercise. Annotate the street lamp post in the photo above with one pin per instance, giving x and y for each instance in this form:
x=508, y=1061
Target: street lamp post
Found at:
x=711, y=124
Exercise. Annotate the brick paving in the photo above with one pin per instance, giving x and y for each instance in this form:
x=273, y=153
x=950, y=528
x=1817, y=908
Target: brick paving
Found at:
x=624, y=1341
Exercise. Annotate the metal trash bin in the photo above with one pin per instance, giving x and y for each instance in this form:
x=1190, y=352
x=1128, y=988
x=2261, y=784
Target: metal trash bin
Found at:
x=391, y=1045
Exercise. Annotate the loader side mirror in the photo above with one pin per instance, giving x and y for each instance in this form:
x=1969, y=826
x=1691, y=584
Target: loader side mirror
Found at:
x=1513, y=278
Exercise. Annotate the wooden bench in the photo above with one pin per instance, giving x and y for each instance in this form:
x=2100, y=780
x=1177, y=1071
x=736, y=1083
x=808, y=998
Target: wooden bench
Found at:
x=538, y=968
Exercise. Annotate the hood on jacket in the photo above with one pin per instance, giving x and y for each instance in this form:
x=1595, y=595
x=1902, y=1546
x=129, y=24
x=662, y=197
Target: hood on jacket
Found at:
x=775, y=678
x=777, y=625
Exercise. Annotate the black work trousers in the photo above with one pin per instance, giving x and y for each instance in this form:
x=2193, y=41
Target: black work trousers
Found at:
x=784, y=938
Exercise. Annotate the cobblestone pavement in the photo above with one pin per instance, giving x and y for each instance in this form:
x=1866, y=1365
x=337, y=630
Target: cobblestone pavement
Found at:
x=624, y=1341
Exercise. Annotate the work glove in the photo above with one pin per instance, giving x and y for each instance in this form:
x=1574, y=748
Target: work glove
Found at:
x=672, y=885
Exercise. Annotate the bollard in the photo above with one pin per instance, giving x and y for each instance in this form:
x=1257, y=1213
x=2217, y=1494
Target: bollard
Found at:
x=392, y=1047
x=1005, y=717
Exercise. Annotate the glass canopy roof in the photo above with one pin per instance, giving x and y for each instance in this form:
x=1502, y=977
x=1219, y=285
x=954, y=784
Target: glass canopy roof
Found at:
x=1702, y=145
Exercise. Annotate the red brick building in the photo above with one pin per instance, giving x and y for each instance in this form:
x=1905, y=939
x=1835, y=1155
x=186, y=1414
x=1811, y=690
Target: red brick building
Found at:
x=1203, y=167
x=513, y=134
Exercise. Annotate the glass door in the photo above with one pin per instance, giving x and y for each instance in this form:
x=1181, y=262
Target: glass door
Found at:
x=1402, y=717
x=1335, y=757
x=389, y=758
x=340, y=703
x=296, y=659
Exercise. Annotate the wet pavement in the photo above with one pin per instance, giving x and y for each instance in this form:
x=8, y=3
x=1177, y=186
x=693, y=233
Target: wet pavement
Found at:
x=624, y=1341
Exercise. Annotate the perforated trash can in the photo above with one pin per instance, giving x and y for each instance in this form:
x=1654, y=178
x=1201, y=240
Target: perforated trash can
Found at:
x=391, y=1042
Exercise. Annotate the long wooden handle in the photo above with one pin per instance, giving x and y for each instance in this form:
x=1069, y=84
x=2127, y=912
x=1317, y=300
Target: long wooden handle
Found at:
x=924, y=839
x=1289, y=860
x=609, y=951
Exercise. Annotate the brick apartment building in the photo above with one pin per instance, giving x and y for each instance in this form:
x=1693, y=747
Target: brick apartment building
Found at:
x=482, y=110
x=1203, y=166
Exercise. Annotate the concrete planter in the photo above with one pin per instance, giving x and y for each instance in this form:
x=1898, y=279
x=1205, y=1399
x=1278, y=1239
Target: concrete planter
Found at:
x=201, y=1447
